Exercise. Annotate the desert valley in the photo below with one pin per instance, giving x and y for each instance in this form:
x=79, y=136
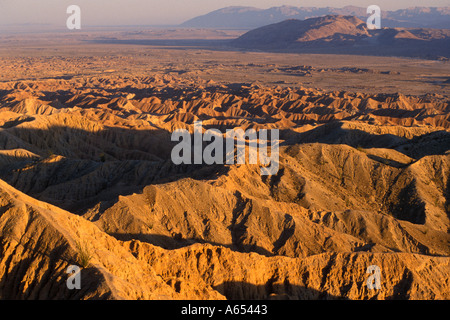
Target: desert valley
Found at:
x=87, y=179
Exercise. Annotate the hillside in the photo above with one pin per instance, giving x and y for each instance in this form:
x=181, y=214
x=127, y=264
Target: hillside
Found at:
x=364, y=180
x=39, y=242
x=345, y=34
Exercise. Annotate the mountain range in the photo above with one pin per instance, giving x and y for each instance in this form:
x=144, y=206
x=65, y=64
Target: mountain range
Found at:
x=250, y=17
x=346, y=35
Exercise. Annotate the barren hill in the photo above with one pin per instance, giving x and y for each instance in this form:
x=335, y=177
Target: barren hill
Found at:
x=40, y=241
x=345, y=34
x=323, y=28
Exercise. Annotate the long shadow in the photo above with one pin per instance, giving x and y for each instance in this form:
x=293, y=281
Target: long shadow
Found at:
x=177, y=242
x=52, y=284
x=447, y=201
x=179, y=44
x=355, y=46
x=431, y=49
x=434, y=143
x=13, y=123
x=238, y=290
x=103, y=165
x=389, y=162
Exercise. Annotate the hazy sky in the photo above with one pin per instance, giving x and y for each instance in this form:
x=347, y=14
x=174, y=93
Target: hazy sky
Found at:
x=154, y=12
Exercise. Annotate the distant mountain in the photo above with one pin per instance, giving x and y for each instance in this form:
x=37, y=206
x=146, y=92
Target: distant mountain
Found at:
x=250, y=17
x=293, y=31
x=346, y=35
x=420, y=17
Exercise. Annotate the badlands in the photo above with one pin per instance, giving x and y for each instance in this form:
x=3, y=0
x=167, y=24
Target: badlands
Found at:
x=87, y=178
